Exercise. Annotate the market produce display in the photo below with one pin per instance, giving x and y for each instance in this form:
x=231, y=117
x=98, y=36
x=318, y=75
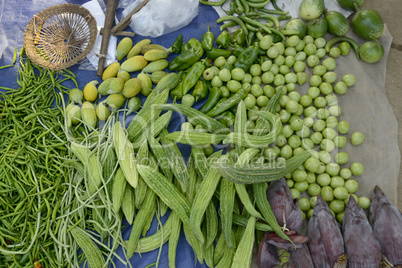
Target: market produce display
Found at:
x=265, y=157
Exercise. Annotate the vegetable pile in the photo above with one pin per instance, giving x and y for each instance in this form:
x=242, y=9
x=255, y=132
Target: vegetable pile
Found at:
x=265, y=155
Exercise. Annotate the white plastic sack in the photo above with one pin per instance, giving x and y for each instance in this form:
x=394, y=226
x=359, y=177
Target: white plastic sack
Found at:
x=96, y=10
x=159, y=17
x=3, y=42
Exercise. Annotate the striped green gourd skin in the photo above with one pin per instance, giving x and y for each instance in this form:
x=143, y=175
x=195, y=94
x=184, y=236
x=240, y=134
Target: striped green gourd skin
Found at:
x=202, y=198
x=127, y=205
x=92, y=164
x=209, y=256
x=153, y=242
x=150, y=219
x=177, y=164
x=244, y=251
x=241, y=190
x=192, y=138
x=227, y=200
x=192, y=180
x=350, y=4
x=109, y=167
x=265, y=173
x=146, y=115
x=241, y=220
x=125, y=154
x=141, y=190
x=92, y=252
x=119, y=187
x=371, y=51
x=227, y=257
x=338, y=25
x=311, y=9
x=240, y=125
x=195, y=116
x=160, y=154
x=368, y=24
x=252, y=141
x=167, y=192
x=219, y=248
x=212, y=224
x=174, y=240
x=154, y=129
x=263, y=205
x=194, y=243
x=200, y=160
x=140, y=220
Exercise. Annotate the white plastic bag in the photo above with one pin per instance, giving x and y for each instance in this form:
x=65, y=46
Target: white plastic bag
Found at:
x=159, y=17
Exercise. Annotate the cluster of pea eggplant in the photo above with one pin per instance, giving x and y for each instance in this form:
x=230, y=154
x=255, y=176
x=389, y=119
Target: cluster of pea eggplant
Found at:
x=309, y=120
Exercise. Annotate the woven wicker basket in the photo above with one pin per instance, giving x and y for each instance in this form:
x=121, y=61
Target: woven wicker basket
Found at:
x=60, y=36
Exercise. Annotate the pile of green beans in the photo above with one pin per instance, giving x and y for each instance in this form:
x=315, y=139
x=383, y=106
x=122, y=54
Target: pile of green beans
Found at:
x=42, y=185
x=32, y=172
x=250, y=17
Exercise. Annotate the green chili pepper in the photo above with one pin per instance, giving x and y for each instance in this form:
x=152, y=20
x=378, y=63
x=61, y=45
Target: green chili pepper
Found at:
x=276, y=6
x=185, y=47
x=220, y=3
x=217, y=52
x=275, y=12
x=237, y=50
x=215, y=95
x=229, y=103
x=207, y=40
x=234, y=19
x=201, y=89
x=224, y=39
x=184, y=60
x=227, y=25
x=247, y=58
x=177, y=44
x=239, y=37
x=239, y=7
x=284, y=17
x=232, y=8
x=177, y=92
x=196, y=45
x=192, y=76
x=188, y=57
x=251, y=37
x=227, y=118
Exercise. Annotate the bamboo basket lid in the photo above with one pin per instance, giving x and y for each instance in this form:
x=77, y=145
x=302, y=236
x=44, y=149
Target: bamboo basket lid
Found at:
x=60, y=36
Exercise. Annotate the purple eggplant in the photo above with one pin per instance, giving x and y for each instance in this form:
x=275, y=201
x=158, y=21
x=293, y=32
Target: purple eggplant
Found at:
x=362, y=248
x=285, y=209
x=326, y=241
x=386, y=221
